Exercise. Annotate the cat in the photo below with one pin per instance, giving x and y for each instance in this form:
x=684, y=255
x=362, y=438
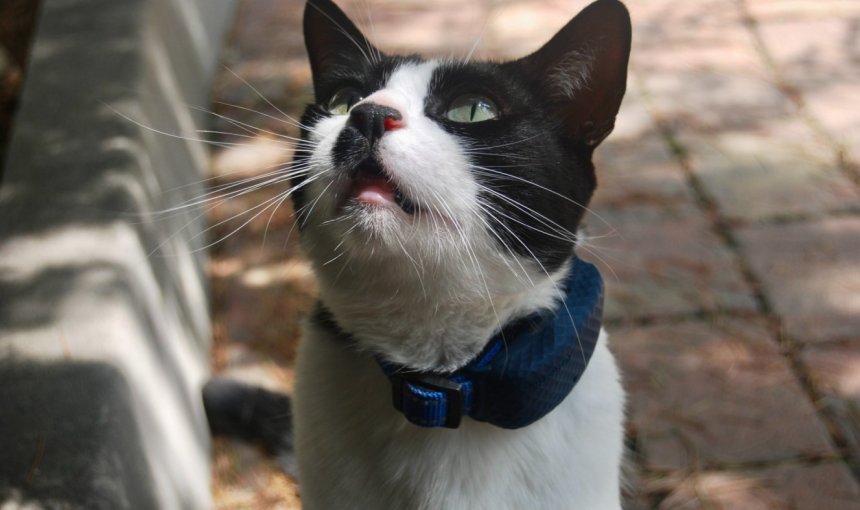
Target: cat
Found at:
x=455, y=358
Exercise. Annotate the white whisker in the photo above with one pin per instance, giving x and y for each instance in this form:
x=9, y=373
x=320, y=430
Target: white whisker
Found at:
x=264, y=98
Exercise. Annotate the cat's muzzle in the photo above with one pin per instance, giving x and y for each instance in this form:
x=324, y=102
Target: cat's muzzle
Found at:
x=370, y=173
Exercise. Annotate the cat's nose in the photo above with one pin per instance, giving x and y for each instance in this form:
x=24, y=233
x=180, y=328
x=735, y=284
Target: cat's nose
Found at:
x=373, y=120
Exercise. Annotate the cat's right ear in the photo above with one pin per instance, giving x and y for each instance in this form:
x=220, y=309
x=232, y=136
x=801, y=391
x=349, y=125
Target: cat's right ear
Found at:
x=332, y=40
x=582, y=70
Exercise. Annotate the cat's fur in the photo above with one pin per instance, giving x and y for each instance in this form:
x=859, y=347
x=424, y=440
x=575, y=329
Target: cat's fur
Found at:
x=482, y=237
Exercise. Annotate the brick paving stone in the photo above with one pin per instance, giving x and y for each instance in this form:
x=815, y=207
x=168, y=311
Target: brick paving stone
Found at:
x=835, y=372
x=678, y=36
x=650, y=16
x=811, y=275
x=758, y=175
x=707, y=101
x=803, y=9
x=807, y=58
x=634, y=164
x=656, y=249
x=516, y=28
x=825, y=70
x=639, y=171
x=708, y=82
x=834, y=108
x=827, y=486
x=711, y=394
x=661, y=261
x=451, y=27
x=413, y=27
x=507, y=29
x=743, y=136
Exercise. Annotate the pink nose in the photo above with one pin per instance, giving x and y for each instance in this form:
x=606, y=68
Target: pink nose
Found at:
x=391, y=123
x=373, y=120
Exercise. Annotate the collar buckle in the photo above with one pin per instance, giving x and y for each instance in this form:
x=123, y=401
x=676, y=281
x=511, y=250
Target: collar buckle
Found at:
x=429, y=400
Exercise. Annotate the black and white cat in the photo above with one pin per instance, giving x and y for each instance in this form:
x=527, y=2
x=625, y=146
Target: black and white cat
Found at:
x=438, y=201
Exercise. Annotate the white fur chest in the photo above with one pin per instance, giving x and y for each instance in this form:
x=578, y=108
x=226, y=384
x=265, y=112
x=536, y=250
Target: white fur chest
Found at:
x=356, y=451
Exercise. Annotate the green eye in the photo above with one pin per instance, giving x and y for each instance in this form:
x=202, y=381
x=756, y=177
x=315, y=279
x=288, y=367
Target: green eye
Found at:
x=472, y=108
x=343, y=100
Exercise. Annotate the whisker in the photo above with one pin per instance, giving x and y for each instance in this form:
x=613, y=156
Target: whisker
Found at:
x=264, y=98
x=216, y=195
x=248, y=136
x=264, y=206
x=506, y=175
x=167, y=133
x=314, y=203
x=248, y=128
x=290, y=121
x=558, y=291
x=509, y=144
x=560, y=232
x=477, y=40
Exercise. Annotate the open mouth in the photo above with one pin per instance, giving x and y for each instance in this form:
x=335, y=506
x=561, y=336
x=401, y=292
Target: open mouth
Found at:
x=371, y=186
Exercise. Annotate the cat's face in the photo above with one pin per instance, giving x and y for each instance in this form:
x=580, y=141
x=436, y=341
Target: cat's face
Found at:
x=471, y=170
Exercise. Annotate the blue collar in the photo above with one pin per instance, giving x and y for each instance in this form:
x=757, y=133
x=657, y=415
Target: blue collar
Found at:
x=523, y=373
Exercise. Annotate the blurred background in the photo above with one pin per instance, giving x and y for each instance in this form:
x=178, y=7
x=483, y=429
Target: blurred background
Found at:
x=727, y=227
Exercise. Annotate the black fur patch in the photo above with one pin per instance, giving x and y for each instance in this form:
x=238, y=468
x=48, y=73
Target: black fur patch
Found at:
x=534, y=181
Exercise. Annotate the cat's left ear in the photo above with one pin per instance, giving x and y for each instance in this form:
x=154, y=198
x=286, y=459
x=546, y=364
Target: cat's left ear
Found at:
x=582, y=70
x=332, y=40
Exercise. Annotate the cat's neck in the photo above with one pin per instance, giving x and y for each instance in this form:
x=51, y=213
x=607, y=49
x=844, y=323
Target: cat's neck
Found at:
x=436, y=321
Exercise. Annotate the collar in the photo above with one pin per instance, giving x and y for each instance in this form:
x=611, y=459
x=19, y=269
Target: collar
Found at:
x=522, y=374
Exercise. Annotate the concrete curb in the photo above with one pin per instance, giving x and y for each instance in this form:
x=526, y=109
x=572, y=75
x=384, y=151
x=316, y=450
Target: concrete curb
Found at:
x=104, y=320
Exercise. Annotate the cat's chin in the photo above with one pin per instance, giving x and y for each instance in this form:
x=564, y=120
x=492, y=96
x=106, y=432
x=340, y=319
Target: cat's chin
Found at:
x=370, y=225
x=374, y=226
x=379, y=209
x=374, y=214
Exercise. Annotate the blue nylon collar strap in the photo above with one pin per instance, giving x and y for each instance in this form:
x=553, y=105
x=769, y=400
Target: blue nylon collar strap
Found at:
x=522, y=374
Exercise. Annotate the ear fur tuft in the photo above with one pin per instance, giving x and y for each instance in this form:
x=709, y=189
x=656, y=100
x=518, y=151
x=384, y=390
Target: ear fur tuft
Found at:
x=571, y=74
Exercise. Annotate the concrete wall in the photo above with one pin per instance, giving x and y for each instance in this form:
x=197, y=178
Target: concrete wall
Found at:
x=104, y=322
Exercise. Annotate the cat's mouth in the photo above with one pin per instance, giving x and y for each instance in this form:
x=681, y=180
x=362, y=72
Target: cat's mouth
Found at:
x=371, y=186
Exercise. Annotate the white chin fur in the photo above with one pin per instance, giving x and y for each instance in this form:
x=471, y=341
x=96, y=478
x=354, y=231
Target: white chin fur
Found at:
x=426, y=290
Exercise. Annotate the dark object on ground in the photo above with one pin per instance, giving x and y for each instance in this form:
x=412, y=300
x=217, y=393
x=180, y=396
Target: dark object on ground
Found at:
x=252, y=414
x=17, y=22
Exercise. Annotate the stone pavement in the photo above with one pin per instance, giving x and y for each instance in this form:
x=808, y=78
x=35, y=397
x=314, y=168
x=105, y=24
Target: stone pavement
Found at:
x=727, y=224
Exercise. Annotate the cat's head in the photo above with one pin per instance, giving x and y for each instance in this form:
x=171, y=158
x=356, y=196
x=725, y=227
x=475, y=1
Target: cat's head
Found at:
x=448, y=171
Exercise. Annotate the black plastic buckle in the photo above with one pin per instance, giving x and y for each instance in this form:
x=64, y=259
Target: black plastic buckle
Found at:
x=454, y=398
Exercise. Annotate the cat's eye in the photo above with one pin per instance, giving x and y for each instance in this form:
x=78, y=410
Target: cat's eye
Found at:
x=472, y=108
x=343, y=100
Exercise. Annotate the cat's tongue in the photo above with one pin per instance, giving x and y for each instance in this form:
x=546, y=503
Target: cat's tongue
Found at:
x=373, y=190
